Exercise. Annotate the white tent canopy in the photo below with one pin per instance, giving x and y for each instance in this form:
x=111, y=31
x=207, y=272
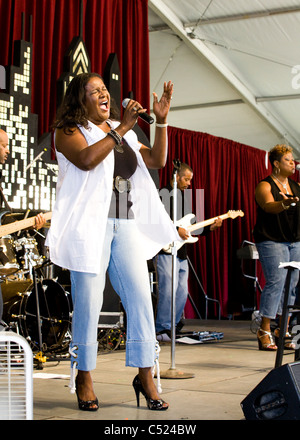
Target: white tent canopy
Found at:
x=235, y=65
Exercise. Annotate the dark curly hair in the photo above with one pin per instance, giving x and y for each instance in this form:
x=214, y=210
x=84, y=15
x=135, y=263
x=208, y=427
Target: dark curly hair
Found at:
x=72, y=111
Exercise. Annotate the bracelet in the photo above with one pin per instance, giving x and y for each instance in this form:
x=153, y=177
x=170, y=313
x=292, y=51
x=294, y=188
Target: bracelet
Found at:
x=118, y=139
x=285, y=207
x=161, y=125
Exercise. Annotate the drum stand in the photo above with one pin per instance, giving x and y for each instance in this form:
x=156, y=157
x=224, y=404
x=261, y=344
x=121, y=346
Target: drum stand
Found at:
x=40, y=358
x=41, y=317
x=29, y=264
x=172, y=372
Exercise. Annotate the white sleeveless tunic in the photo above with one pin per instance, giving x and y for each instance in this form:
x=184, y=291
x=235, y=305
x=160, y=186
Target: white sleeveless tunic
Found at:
x=78, y=224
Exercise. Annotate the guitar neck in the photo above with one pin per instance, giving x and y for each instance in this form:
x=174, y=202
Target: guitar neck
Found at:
x=208, y=222
x=10, y=228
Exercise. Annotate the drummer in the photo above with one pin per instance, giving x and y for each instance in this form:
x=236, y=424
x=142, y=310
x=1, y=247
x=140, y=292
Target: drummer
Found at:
x=39, y=219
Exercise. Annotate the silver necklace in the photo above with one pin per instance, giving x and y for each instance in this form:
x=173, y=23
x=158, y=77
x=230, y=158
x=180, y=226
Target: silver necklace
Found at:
x=283, y=184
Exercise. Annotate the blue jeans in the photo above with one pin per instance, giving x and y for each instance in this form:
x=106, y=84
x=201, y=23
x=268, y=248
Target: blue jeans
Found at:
x=270, y=255
x=164, y=305
x=129, y=276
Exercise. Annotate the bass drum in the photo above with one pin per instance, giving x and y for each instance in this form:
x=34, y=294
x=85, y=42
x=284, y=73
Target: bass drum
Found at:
x=54, y=310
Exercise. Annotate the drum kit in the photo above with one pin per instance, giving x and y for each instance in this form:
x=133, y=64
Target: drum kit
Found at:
x=35, y=306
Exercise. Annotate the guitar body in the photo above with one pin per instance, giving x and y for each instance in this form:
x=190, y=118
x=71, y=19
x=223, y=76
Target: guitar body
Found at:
x=185, y=222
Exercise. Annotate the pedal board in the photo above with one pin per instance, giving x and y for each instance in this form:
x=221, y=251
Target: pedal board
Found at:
x=202, y=336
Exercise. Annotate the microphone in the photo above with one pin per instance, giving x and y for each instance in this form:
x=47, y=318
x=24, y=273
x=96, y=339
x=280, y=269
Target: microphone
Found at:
x=36, y=158
x=298, y=167
x=147, y=118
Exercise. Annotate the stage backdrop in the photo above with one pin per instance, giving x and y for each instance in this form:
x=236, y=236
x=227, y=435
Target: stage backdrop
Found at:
x=114, y=26
x=228, y=172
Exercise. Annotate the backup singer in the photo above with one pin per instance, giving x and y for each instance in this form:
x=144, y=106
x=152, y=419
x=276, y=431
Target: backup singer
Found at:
x=277, y=237
x=101, y=220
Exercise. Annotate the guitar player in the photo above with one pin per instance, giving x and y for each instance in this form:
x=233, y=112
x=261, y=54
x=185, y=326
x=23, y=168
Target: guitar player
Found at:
x=163, y=260
x=39, y=219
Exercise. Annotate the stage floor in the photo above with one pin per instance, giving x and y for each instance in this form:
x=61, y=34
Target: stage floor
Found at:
x=225, y=371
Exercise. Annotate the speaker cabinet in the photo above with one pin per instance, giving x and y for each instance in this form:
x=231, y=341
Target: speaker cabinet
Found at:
x=276, y=397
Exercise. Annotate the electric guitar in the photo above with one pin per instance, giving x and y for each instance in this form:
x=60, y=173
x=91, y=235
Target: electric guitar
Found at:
x=10, y=228
x=185, y=222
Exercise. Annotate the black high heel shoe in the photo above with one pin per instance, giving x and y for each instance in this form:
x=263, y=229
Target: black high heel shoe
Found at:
x=87, y=405
x=154, y=405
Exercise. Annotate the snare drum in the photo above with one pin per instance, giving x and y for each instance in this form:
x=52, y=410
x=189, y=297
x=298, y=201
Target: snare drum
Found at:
x=8, y=258
x=54, y=309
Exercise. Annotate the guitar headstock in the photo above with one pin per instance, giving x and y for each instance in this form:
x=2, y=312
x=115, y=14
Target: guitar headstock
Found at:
x=234, y=214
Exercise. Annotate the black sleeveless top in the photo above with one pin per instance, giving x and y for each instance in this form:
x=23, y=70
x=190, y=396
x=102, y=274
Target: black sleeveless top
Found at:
x=282, y=227
x=125, y=166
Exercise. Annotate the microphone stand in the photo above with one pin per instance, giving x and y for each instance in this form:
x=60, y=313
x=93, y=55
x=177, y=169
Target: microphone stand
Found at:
x=35, y=159
x=39, y=157
x=172, y=372
x=30, y=265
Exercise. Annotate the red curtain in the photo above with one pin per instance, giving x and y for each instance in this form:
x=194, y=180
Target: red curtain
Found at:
x=118, y=26
x=228, y=172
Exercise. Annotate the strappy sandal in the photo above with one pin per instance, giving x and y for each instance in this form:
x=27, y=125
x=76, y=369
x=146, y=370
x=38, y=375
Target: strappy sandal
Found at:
x=269, y=344
x=287, y=345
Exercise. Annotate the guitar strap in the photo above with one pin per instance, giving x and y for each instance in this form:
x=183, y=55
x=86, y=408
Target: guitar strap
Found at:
x=3, y=200
x=3, y=258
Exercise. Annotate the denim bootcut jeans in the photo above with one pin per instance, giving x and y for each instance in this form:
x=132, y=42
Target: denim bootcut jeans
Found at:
x=129, y=276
